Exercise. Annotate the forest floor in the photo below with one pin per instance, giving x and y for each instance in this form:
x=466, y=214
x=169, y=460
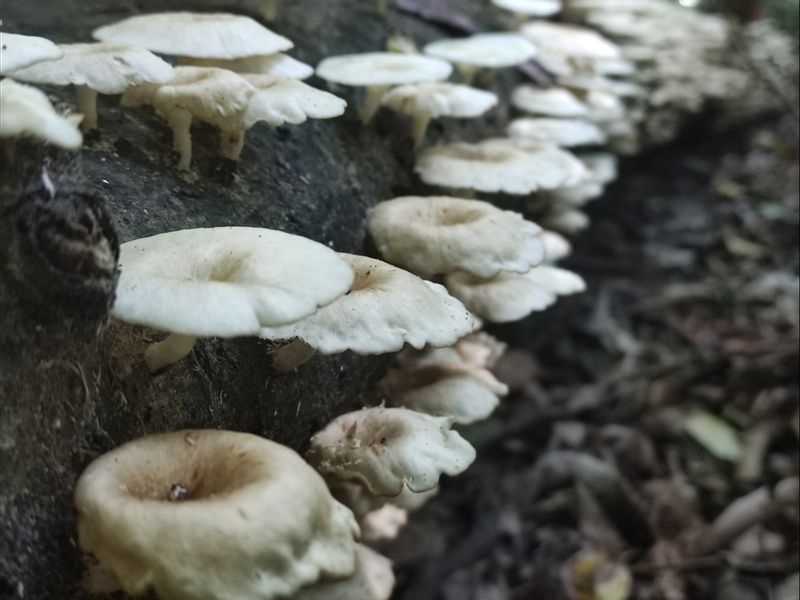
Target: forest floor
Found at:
x=642, y=411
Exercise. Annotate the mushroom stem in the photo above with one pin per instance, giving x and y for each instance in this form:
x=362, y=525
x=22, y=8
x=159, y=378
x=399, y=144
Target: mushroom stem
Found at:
x=181, y=122
x=168, y=351
x=468, y=73
x=373, y=102
x=269, y=9
x=87, y=106
x=419, y=127
x=231, y=144
x=287, y=358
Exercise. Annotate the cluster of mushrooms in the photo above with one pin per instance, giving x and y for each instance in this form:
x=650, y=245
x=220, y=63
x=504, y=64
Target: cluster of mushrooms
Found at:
x=282, y=526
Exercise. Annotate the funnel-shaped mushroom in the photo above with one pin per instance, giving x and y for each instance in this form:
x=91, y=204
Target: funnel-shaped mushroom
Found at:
x=378, y=71
x=223, y=281
x=434, y=235
x=482, y=50
x=373, y=580
x=26, y=111
x=98, y=68
x=20, y=51
x=200, y=514
x=388, y=449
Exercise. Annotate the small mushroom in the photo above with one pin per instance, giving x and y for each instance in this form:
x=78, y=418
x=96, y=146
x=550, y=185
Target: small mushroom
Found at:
x=569, y=40
x=278, y=64
x=556, y=246
x=482, y=50
x=20, y=51
x=383, y=523
x=561, y=132
x=195, y=35
x=159, y=511
x=378, y=71
x=567, y=219
x=573, y=196
x=602, y=166
x=98, y=68
x=426, y=101
x=499, y=165
x=389, y=449
x=551, y=102
x=438, y=234
x=524, y=9
x=511, y=296
x=223, y=281
x=26, y=111
x=372, y=580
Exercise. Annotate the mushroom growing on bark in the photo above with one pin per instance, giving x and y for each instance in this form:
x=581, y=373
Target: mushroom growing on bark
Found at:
x=223, y=281
x=20, y=51
x=561, y=132
x=378, y=71
x=26, y=111
x=482, y=51
x=551, y=102
x=158, y=511
x=389, y=449
x=98, y=68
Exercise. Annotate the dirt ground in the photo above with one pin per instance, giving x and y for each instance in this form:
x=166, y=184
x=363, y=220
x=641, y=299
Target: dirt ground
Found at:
x=640, y=412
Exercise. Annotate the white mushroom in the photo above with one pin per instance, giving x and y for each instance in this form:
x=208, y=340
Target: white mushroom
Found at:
x=280, y=65
x=438, y=234
x=575, y=195
x=530, y=8
x=26, y=111
x=510, y=296
x=223, y=281
x=98, y=68
x=556, y=246
x=551, y=102
x=602, y=166
x=378, y=71
x=159, y=511
x=482, y=50
x=383, y=523
x=567, y=219
x=426, y=101
x=561, y=132
x=196, y=35
x=388, y=449
x=569, y=40
x=373, y=580
x=20, y=51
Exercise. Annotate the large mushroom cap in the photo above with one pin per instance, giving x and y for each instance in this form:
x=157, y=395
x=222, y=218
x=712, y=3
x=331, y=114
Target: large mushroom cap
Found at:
x=499, y=165
x=388, y=449
x=105, y=68
x=438, y=234
x=492, y=50
x=439, y=100
x=382, y=69
x=20, y=51
x=569, y=40
x=561, y=132
x=554, y=102
x=282, y=100
x=26, y=111
x=201, y=514
x=385, y=309
x=199, y=35
x=225, y=281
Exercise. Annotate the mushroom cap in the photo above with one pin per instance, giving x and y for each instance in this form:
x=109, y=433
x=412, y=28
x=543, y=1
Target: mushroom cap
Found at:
x=511, y=296
x=282, y=100
x=491, y=50
x=385, y=309
x=532, y=8
x=278, y=64
x=561, y=132
x=439, y=100
x=589, y=83
x=567, y=219
x=26, y=111
x=554, y=102
x=569, y=40
x=499, y=165
x=199, y=35
x=438, y=234
x=225, y=281
x=382, y=69
x=383, y=523
x=575, y=195
x=461, y=396
x=388, y=449
x=602, y=166
x=604, y=106
x=105, y=68
x=20, y=51
x=255, y=511
x=556, y=246
x=373, y=580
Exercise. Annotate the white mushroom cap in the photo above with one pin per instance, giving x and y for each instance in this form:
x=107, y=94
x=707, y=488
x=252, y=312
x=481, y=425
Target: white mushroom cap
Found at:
x=561, y=132
x=280, y=65
x=159, y=511
x=604, y=106
x=20, y=51
x=388, y=449
x=488, y=50
x=385, y=309
x=569, y=40
x=556, y=246
x=554, y=102
x=225, y=281
x=567, y=220
x=373, y=580
x=439, y=100
x=511, y=296
x=532, y=8
x=199, y=35
x=383, y=523
x=617, y=87
x=499, y=165
x=382, y=69
x=105, y=68
x=575, y=195
x=438, y=234
x=602, y=166
x=26, y=111
x=281, y=100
